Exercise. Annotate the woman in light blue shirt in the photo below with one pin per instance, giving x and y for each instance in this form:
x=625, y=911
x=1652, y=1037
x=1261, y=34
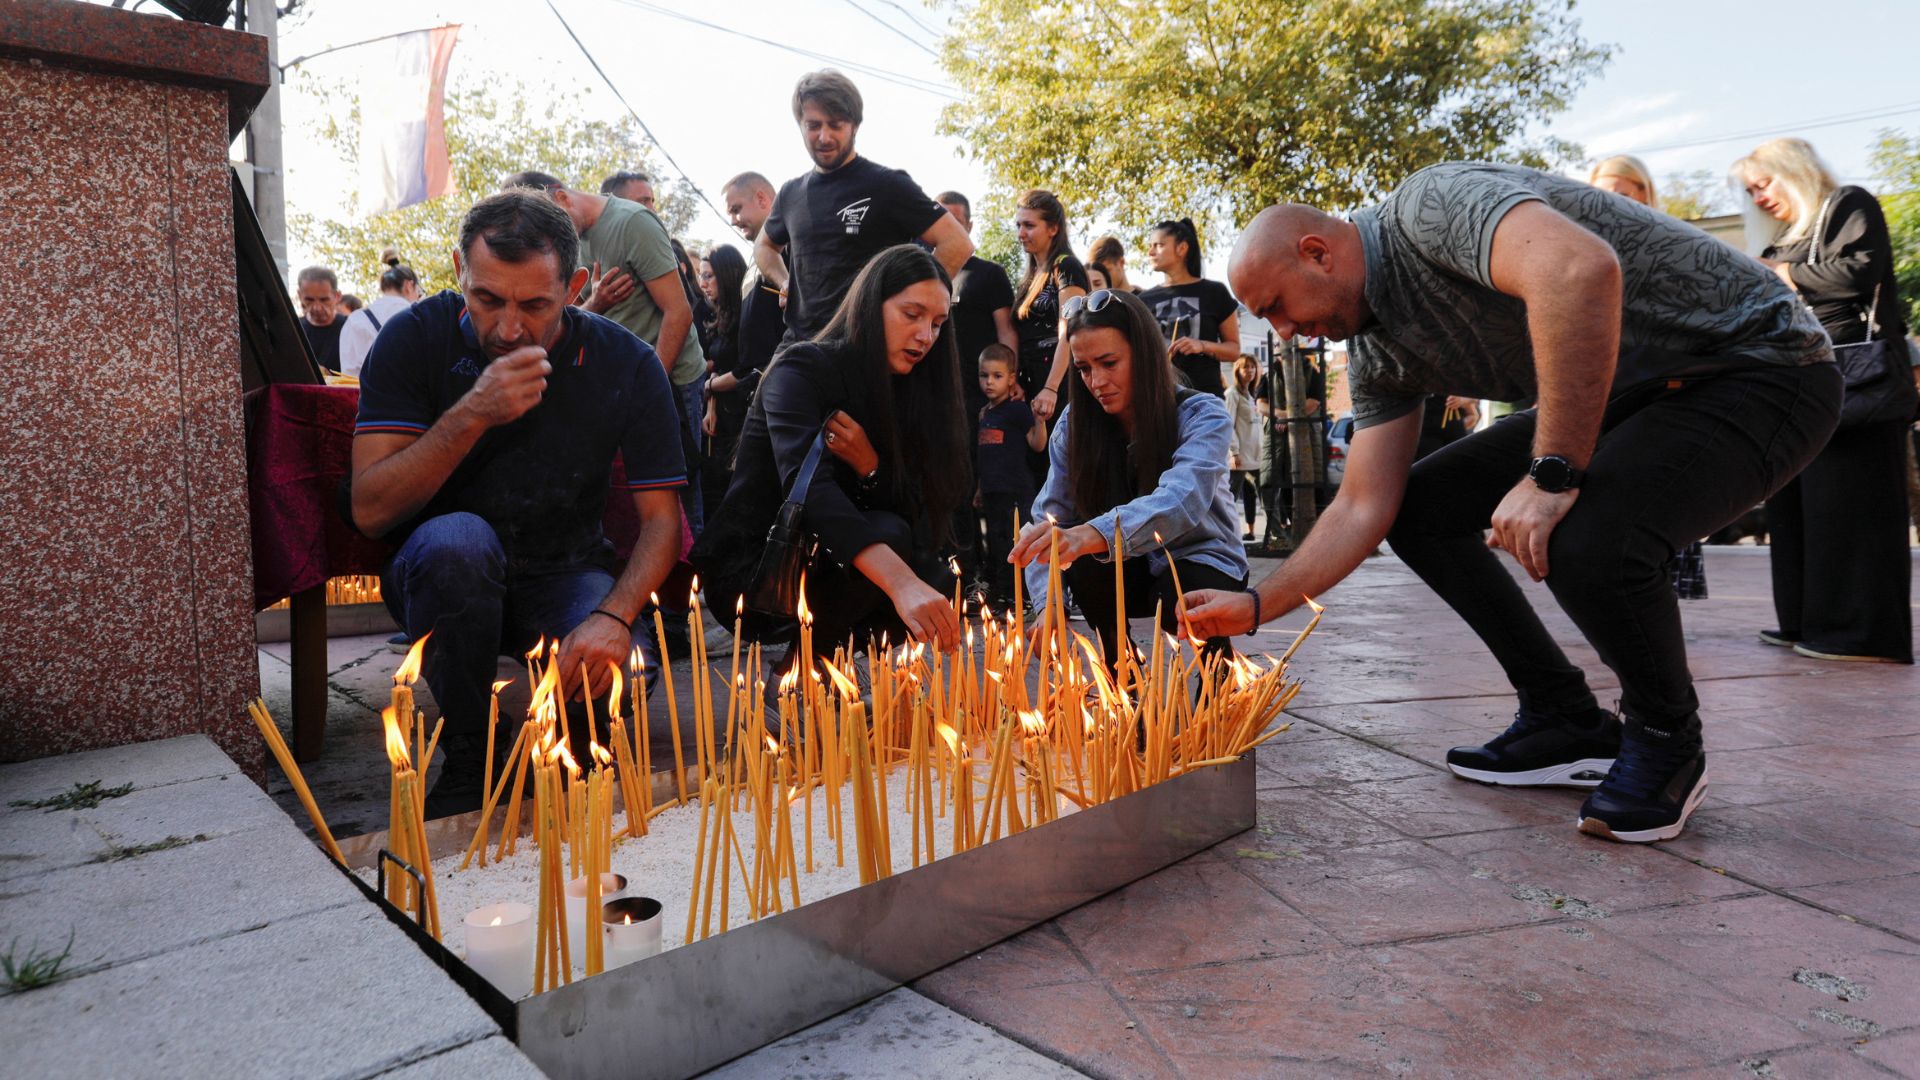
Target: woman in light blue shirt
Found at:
x=1136, y=453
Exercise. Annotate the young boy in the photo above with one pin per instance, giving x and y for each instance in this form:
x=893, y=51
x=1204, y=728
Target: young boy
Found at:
x=1008, y=433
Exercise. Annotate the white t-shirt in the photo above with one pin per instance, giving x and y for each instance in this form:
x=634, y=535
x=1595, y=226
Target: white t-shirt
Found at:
x=356, y=337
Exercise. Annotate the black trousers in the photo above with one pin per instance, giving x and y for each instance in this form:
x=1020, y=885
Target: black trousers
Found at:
x=999, y=509
x=1091, y=583
x=1842, y=571
x=845, y=603
x=1672, y=465
x=1247, y=483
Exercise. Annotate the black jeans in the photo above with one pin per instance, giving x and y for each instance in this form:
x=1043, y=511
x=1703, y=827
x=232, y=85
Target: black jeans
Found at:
x=1842, y=573
x=1091, y=583
x=1247, y=483
x=1672, y=465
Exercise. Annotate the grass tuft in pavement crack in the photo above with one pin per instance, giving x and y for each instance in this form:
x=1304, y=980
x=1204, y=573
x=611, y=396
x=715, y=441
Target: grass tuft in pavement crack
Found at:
x=34, y=968
x=80, y=797
x=137, y=850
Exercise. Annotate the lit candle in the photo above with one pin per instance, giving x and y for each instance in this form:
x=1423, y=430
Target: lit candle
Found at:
x=612, y=887
x=632, y=928
x=500, y=947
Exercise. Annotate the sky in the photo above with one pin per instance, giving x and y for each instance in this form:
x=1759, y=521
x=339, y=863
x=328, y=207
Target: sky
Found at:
x=1694, y=84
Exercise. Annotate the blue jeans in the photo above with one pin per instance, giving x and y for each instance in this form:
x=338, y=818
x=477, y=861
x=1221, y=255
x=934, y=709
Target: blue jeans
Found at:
x=693, y=406
x=452, y=577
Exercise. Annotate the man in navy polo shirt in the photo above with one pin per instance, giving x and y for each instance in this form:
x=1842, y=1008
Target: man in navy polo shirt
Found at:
x=489, y=419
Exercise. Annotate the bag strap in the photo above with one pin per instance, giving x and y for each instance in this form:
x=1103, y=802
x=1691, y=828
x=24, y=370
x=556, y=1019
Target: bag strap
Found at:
x=803, y=480
x=372, y=318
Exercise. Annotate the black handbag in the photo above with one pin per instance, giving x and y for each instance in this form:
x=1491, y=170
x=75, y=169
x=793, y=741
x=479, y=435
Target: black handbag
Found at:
x=1877, y=374
x=776, y=576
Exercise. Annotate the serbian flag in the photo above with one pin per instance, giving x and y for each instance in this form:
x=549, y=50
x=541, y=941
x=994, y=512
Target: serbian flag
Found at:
x=403, y=122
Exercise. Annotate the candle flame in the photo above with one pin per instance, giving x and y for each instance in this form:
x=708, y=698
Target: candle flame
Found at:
x=625, y=920
x=1317, y=608
x=948, y=735
x=788, y=680
x=495, y=922
x=600, y=756
x=772, y=746
x=849, y=690
x=409, y=669
x=539, y=647
x=565, y=757
x=953, y=564
x=1033, y=722
x=1157, y=540
x=739, y=606
x=501, y=685
x=396, y=742
x=638, y=659
x=801, y=610
x=613, y=693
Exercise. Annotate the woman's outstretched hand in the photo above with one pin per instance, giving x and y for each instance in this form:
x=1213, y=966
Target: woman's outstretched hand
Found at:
x=1036, y=545
x=929, y=616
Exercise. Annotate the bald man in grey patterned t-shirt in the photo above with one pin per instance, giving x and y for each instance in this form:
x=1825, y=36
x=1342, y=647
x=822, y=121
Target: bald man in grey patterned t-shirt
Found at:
x=1679, y=383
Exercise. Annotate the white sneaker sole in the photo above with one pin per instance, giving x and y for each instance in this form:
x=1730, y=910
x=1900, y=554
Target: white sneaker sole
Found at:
x=1596, y=827
x=1569, y=774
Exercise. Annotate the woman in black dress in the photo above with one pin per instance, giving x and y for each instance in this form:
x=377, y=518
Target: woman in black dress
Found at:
x=1054, y=276
x=729, y=374
x=1841, y=566
x=883, y=382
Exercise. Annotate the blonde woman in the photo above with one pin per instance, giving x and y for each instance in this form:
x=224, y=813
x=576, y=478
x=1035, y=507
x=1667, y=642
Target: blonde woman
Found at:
x=1244, y=454
x=1624, y=174
x=1841, y=569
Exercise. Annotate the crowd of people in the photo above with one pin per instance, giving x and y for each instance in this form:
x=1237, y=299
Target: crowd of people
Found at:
x=866, y=387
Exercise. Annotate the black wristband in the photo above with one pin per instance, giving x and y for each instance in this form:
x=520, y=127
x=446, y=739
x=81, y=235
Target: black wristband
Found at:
x=1054, y=390
x=621, y=621
x=1255, y=593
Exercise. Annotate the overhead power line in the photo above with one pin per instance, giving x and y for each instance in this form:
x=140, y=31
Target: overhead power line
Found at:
x=651, y=137
x=896, y=31
x=914, y=19
x=911, y=82
x=1833, y=120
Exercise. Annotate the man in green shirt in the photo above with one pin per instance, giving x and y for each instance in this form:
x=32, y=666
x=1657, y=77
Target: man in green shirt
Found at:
x=636, y=283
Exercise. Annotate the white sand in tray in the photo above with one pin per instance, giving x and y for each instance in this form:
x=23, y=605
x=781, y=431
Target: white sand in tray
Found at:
x=660, y=864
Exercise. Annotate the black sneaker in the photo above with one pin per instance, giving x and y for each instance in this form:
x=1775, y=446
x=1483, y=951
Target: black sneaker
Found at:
x=456, y=792
x=1542, y=750
x=1649, y=793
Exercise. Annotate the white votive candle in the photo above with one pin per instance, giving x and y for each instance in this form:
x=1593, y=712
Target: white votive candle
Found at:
x=500, y=947
x=612, y=887
x=633, y=929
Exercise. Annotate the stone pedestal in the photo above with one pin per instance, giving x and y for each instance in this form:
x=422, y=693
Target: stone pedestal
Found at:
x=124, y=558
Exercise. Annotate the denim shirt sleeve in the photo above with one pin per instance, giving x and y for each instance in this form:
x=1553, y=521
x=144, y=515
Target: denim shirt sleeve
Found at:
x=1180, y=502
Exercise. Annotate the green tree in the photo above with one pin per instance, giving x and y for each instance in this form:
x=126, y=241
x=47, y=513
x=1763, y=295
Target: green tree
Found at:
x=1896, y=158
x=1699, y=194
x=492, y=131
x=1212, y=109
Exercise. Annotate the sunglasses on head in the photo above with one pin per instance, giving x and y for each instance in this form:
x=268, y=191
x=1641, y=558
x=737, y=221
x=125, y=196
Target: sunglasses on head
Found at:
x=1092, y=303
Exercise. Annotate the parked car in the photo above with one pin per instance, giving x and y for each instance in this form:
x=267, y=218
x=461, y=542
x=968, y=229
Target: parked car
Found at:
x=1337, y=440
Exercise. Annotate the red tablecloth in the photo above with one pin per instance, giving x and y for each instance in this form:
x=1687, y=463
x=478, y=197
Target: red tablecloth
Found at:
x=300, y=449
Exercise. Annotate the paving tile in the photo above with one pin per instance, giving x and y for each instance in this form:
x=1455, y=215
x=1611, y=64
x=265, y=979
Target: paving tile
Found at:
x=144, y=765
x=1079, y=1023
x=1541, y=1001
x=1892, y=902
x=1819, y=972
x=1583, y=875
x=38, y=841
x=483, y=1059
x=1324, y=1014
x=1810, y=1063
x=128, y=909
x=1813, y=842
x=1291, y=823
x=1391, y=892
x=1340, y=762
x=1186, y=915
x=338, y=994
x=217, y=806
x=1441, y=805
x=1042, y=956
x=1897, y=1052
x=896, y=1034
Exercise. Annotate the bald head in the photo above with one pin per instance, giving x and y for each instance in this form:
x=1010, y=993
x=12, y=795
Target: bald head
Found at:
x=1301, y=269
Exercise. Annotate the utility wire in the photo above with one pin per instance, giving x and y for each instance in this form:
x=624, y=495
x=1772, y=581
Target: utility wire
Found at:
x=1834, y=120
x=914, y=19
x=911, y=82
x=896, y=31
x=655, y=139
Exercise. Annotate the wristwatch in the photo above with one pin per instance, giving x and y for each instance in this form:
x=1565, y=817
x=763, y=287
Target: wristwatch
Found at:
x=1554, y=474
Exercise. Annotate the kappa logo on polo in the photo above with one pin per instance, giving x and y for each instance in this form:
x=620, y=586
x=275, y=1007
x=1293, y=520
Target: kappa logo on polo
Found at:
x=854, y=213
x=466, y=366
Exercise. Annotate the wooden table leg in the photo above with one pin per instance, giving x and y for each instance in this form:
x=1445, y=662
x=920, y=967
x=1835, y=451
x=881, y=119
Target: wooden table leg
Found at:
x=308, y=624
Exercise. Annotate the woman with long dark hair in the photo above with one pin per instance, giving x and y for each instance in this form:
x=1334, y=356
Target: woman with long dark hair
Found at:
x=1054, y=276
x=1199, y=317
x=729, y=371
x=1132, y=452
x=882, y=381
x=1842, y=571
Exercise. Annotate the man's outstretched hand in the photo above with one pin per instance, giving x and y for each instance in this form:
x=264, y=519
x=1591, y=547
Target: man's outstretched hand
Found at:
x=596, y=642
x=1524, y=521
x=1212, y=613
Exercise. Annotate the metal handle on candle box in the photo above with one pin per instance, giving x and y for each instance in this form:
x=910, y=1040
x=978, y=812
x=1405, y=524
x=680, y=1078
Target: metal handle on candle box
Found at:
x=419, y=880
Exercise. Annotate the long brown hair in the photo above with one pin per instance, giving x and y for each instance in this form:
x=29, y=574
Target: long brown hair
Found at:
x=917, y=426
x=1053, y=212
x=1103, y=469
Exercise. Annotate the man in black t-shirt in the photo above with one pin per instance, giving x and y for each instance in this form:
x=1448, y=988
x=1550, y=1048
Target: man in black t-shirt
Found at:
x=489, y=420
x=982, y=303
x=319, y=295
x=831, y=221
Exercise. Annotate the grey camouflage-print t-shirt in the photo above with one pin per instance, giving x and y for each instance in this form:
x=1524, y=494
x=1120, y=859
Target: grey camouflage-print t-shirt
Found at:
x=1692, y=304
